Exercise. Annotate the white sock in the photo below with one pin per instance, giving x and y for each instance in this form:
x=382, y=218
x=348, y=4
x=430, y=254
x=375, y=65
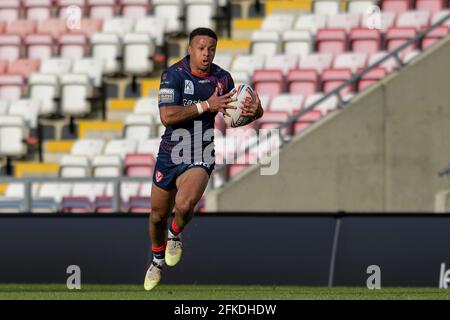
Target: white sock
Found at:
x=171, y=235
x=159, y=262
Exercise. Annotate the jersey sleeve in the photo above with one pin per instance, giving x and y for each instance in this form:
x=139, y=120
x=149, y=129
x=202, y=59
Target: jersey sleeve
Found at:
x=169, y=90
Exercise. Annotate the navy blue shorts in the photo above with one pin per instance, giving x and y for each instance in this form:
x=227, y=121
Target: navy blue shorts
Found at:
x=166, y=172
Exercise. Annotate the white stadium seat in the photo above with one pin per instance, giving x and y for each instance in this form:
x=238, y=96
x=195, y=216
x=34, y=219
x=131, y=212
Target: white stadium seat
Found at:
x=56, y=66
x=120, y=147
x=247, y=63
x=56, y=191
x=12, y=134
x=149, y=146
x=127, y=190
x=414, y=19
x=199, y=13
x=286, y=102
x=4, y=105
x=329, y=7
x=138, y=52
x=350, y=60
x=390, y=64
x=360, y=6
x=11, y=86
x=88, y=190
x=223, y=60
x=28, y=109
x=330, y=104
x=297, y=42
x=311, y=22
x=139, y=127
x=345, y=21
x=92, y=67
x=44, y=88
x=281, y=62
x=74, y=166
x=134, y=9
x=118, y=25
x=154, y=26
x=106, y=47
x=317, y=61
x=171, y=11
x=107, y=166
x=279, y=22
x=17, y=190
x=147, y=105
x=265, y=43
x=38, y=10
x=75, y=91
x=240, y=77
x=88, y=147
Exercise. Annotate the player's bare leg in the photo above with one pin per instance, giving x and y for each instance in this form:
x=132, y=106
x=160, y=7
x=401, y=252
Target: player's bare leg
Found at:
x=191, y=185
x=162, y=205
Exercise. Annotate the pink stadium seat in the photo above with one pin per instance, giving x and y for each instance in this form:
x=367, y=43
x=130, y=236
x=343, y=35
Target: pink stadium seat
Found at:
x=303, y=81
x=431, y=5
x=11, y=86
x=331, y=41
x=234, y=169
x=10, y=47
x=89, y=26
x=21, y=27
x=54, y=27
x=389, y=65
x=371, y=77
x=3, y=66
x=272, y=119
x=9, y=10
x=135, y=9
x=24, y=67
x=331, y=78
x=434, y=36
x=365, y=40
x=413, y=19
x=72, y=45
x=268, y=82
x=395, y=37
x=101, y=9
x=396, y=6
x=39, y=46
x=317, y=61
x=350, y=60
x=306, y=120
x=103, y=204
x=37, y=9
x=139, y=165
x=2, y=26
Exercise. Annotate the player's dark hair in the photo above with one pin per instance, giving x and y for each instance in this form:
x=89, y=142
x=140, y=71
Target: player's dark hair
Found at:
x=202, y=32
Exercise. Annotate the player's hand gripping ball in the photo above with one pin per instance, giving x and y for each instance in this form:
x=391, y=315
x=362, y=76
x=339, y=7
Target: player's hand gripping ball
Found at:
x=235, y=118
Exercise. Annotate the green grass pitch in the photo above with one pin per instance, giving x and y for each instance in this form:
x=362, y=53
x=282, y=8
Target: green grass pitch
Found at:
x=207, y=292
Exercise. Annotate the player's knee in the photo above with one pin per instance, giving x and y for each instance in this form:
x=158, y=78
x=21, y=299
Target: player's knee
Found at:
x=184, y=205
x=157, y=217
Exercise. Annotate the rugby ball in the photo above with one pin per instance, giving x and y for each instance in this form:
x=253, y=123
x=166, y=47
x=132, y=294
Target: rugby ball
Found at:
x=235, y=119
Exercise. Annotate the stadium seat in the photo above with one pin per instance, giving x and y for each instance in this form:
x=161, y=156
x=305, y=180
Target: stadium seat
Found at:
x=44, y=88
x=350, y=60
x=311, y=22
x=134, y=9
x=70, y=204
x=127, y=190
x=438, y=16
x=265, y=43
x=149, y=146
x=107, y=166
x=365, y=40
x=396, y=6
x=371, y=77
x=10, y=47
x=138, y=126
x=171, y=10
x=345, y=21
x=360, y=6
x=28, y=109
x=74, y=166
x=2, y=26
x=3, y=66
x=118, y=25
x=247, y=64
x=389, y=65
x=101, y=9
x=331, y=78
x=37, y=9
x=147, y=105
x=154, y=26
x=324, y=107
x=240, y=77
x=268, y=82
x=303, y=81
x=88, y=147
x=273, y=119
x=406, y=58
x=39, y=46
x=89, y=26
x=287, y=102
x=139, y=165
x=297, y=42
x=431, y=5
x=4, y=105
x=121, y=147
x=92, y=68
x=317, y=61
x=138, y=53
x=413, y=19
x=56, y=66
x=62, y=6
x=11, y=86
x=328, y=7
x=75, y=91
x=223, y=60
x=279, y=22
x=331, y=41
x=72, y=46
x=281, y=62
x=24, y=67
x=200, y=13
x=138, y=204
x=106, y=47
x=396, y=37
x=306, y=120
x=13, y=132
x=9, y=10
x=21, y=27
x=54, y=27
x=55, y=191
x=434, y=36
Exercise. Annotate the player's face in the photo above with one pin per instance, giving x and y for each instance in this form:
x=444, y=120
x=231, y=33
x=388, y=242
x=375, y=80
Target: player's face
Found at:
x=202, y=50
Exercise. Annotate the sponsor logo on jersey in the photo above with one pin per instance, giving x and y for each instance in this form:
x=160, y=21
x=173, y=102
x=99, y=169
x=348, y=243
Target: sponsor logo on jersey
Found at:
x=166, y=95
x=188, y=87
x=159, y=176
